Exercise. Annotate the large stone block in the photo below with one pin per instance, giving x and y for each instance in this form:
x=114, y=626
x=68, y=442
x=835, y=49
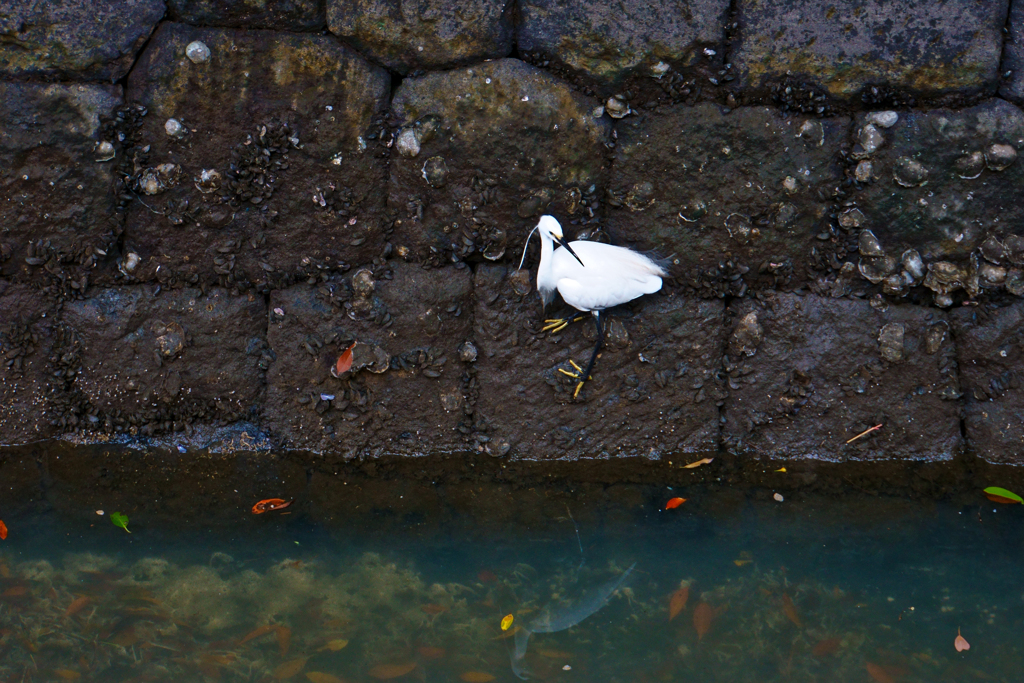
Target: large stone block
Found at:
x=871, y=48
x=483, y=151
x=433, y=34
x=57, y=217
x=749, y=188
x=944, y=183
x=990, y=348
x=265, y=162
x=148, y=362
x=30, y=393
x=608, y=42
x=282, y=15
x=1012, y=87
x=404, y=393
x=807, y=373
x=653, y=392
x=74, y=39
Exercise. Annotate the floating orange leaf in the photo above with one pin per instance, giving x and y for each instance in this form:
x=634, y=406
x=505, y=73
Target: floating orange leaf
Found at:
x=674, y=503
x=433, y=609
x=270, y=504
x=829, y=646
x=878, y=674
x=476, y=677
x=677, y=603
x=76, y=605
x=319, y=677
x=702, y=461
x=506, y=622
x=344, y=362
x=67, y=674
x=289, y=668
x=3, y=531
x=789, y=609
x=284, y=638
x=261, y=631
x=334, y=645
x=430, y=652
x=386, y=672
x=703, y=615
x=961, y=643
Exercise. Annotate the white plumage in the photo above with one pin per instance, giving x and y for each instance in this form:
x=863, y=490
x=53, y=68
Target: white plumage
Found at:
x=591, y=276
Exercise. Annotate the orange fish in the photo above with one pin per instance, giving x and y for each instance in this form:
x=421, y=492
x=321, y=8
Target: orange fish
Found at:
x=270, y=504
x=703, y=614
x=433, y=609
x=829, y=646
x=344, y=362
x=3, y=531
x=76, y=606
x=674, y=503
x=386, y=672
x=261, y=631
x=677, y=603
x=789, y=609
x=878, y=674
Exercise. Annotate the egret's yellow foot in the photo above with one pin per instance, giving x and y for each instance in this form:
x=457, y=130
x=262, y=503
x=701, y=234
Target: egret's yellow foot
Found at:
x=575, y=375
x=554, y=325
x=576, y=393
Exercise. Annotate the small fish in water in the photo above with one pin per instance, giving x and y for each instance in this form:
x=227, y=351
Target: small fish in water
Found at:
x=703, y=615
x=677, y=603
x=789, y=609
x=270, y=504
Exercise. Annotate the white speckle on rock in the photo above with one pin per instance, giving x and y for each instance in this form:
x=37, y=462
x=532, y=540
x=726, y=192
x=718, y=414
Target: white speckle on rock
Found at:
x=197, y=52
x=885, y=119
x=408, y=143
x=778, y=497
x=174, y=128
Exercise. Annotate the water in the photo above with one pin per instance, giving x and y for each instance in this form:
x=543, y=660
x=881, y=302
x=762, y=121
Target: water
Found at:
x=854, y=589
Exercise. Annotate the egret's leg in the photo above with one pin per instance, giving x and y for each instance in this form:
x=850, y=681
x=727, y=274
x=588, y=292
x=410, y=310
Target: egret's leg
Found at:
x=554, y=325
x=593, y=356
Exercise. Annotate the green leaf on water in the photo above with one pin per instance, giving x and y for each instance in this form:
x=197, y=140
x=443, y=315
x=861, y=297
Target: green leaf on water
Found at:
x=119, y=520
x=1002, y=495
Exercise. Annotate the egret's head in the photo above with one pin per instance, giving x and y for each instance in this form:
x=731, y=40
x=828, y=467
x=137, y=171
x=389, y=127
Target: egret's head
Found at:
x=550, y=226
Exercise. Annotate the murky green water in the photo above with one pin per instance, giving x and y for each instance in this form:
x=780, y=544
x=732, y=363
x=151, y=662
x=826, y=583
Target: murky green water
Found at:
x=854, y=590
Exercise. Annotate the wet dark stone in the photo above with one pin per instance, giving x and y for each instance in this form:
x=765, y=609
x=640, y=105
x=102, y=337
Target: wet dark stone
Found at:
x=924, y=47
x=282, y=15
x=405, y=36
x=30, y=395
x=949, y=216
x=74, y=39
x=748, y=186
x=504, y=132
x=607, y=42
x=410, y=404
x=1012, y=66
x=56, y=202
x=653, y=395
x=820, y=377
x=180, y=356
x=990, y=349
x=290, y=125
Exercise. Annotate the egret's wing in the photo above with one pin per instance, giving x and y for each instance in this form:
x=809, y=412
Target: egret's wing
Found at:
x=596, y=293
x=605, y=258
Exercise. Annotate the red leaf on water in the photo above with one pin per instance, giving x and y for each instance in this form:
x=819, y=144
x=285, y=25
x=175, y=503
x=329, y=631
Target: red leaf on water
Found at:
x=674, y=503
x=3, y=531
x=344, y=362
x=961, y=643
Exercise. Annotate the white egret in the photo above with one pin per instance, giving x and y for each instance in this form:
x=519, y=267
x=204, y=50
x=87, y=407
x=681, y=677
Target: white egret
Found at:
x=591, y=277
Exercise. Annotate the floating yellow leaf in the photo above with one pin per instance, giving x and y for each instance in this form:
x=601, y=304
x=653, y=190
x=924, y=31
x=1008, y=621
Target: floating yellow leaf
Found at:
x=386, y=672
x=476, y=677
x=335, y=645
x=290, y=668
x=67, y=674
x=781, y=469
x=506, y=622
x=702, y=461
x=318, y=677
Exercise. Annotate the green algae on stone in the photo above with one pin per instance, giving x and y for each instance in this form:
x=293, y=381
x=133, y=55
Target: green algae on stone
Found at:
x=281, y=15
x=74, y=39
x=407, y=36
x=925, y=47
x=608, y=41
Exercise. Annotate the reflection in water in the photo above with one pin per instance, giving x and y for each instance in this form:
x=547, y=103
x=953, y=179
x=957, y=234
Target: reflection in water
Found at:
x=805, y=592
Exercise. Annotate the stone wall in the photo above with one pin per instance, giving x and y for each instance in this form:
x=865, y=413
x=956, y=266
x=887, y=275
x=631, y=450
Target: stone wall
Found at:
x=204, y=203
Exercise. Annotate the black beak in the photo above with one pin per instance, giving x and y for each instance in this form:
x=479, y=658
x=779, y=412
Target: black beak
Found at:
x=569, y=249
